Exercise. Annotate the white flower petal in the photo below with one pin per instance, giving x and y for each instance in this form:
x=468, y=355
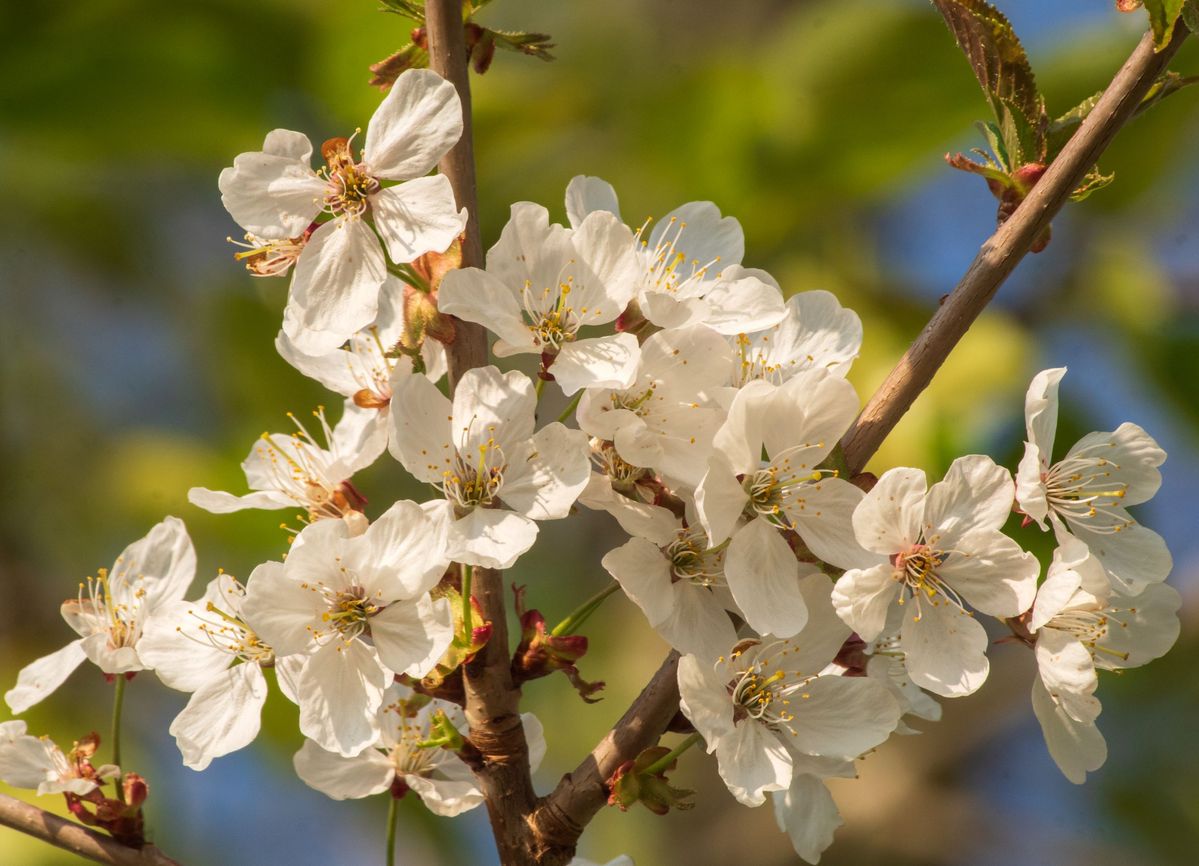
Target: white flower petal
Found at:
x=824, y=520
x=420, y=430
x=1133, y=557
x=220, y=502
x=274, y=195
x=705, y=700
x=598, y=362
x=1076, y=747
x=341, y=690
x=763, y=576
x=547, y=485
x=279, y=609
x=992, y=573
x=38, y=679
x=644, y=575
x=863, y=596
x=475, y=295
x=946, y=647
x=158, y=567
x=417, y=217
x=491, y=538
x=1066, y=669
x=752, y=761
x=842, y=717
x=888, y=520
x=720, y=499
x=1031, y=493
x=363, y=775
x=493, y=409
x=703, y=235
x=639, y=519
x=1131, y=458
x=586, y=195
x=172, y=646
x=807, y=814
x=1040, y=411
x=975, y=494
x=224, y=715
x=417, y=122
x=401, y=554
x=335, y=290
x=411, y=637
x=742, y=302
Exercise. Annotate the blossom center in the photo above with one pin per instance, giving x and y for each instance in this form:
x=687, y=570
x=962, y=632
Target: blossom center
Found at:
x=348, y=184
x=692, y=561
x=304, y=473
x=762, y=690
x=1081, y=488
x=667, y=269
x=551, y=318
x=476, y=485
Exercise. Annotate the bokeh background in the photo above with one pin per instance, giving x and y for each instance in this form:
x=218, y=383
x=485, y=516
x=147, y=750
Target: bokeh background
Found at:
x=136, y=361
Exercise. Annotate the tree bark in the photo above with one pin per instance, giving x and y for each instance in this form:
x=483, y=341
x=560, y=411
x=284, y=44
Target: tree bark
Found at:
x=76, y=838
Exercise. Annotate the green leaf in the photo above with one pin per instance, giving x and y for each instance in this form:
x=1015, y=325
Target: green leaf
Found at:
x=1001, y=66
x=1063, y=127
x=1190, y=15
x=1163, y=15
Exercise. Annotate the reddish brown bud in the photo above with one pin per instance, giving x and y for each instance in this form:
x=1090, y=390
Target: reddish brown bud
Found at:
x=540, y=653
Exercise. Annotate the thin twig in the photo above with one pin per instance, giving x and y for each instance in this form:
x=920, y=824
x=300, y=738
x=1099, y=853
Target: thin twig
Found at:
x=492, y=699
x=75, y=837
x=1001, y=253
x=560, y=819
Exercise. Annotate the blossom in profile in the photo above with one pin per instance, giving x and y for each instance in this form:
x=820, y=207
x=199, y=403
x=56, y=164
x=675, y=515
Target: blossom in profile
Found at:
x=111, y=610
x=936, y=549
x=688, y=265
x=543, y=284
x=293, y=470
x=276, y=196
x=207, y=648
x=40, y=765
x=1081, y=625
x=498, y=476
x=359, y=607
x=403, y=759
x=1087, y=492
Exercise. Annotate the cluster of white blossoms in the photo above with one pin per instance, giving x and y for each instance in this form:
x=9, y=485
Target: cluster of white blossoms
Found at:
x=815, y=614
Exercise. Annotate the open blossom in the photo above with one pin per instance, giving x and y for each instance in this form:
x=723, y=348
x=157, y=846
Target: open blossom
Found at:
x=689, y=267
x=206, y=647
x=360, y=606
x=289, y=471
x=629, y=494
x=936, y=549
x=543, y=284
x=1082, y=626
x=37, y=763
x=751, y=502
x=111, y=610
x=1090, y=488
x=816, y=332
x=681, y=589
x=398, y=762
x=498, y=476
x=766, y=702
x=366, y=369
x=275, y=195
x=667, y=417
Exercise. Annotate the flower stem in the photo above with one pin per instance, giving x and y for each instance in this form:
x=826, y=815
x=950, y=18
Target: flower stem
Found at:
x=392, y=812
x=467, y=607
x=539, y=387
x=570, y=407
x=666, y=760
x=118, y=700
x=586, y=609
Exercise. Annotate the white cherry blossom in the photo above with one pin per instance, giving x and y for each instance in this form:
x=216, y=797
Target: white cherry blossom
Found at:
x=361, y=606
x=207, y=648
x=293, y=470
x=764, y=702
x=40, y=765
x=396, y=760
x=816, y=332
x=1089, y=489
x=936, y=549
x=111, y=610
x=366, y=369
x=749, y=501
x=689, y=266
x=667, y=417
x=275, y=195
x=543, y=283
x=1082, y=626
x=498, y=476
x=681, y=589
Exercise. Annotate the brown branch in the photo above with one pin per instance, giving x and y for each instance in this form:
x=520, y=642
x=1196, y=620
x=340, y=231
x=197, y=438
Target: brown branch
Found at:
x=1001, y=253
x=447, y=57
x=492, y=699
x=561, y=817
x=75, y=837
